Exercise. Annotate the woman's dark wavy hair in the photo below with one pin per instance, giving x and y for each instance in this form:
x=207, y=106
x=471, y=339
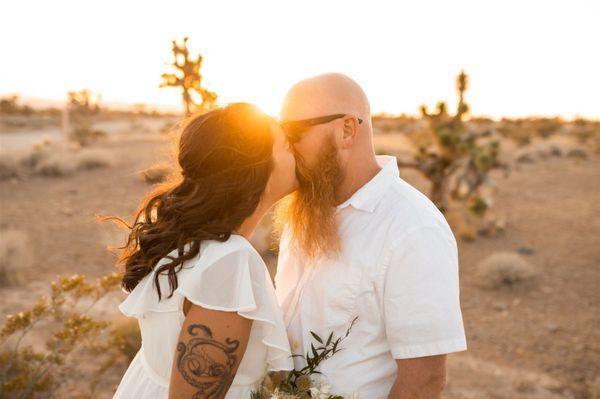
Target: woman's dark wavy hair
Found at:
x=225, y=157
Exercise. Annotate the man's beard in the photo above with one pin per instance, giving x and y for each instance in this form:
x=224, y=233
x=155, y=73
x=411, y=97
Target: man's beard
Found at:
x=310, y=212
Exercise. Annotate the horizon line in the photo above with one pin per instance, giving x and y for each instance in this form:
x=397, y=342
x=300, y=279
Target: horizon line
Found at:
x=170, y=108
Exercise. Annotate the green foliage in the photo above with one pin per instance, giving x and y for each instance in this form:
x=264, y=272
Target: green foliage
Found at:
x=297, y=384
x=31, y=372
x=454, y=154
x=187, y=76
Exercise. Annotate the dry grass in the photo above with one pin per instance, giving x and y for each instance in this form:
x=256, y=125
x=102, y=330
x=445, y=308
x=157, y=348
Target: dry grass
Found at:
x=504, y=269
x=15, y=256
x=55, y=165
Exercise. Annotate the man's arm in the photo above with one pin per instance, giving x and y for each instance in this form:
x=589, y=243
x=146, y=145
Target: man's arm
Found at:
x=419, y=378
x=209, y=350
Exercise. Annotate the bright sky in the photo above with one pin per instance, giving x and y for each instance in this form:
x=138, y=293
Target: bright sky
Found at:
x=523, y=57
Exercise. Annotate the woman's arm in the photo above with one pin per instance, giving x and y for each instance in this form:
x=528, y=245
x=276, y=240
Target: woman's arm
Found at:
x=209, y=350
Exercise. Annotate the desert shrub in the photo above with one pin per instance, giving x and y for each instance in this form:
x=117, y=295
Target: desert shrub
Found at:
x=61, y=163
x=14, y=162
x=85, y=135
x=58, y=368
x=525, y=158
x=504, y=269
x=93, y=159
x=15, y=256
x=584, y=130
x=56, y=165
x=523, y=130
x=577, y=153
x=10, y=105
x=156, y=173
x=545, y=127
x=9, y=165
x=35, y=154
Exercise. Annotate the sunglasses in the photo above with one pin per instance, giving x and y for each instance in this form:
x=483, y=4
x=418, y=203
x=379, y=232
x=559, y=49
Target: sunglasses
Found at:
x=294, y=129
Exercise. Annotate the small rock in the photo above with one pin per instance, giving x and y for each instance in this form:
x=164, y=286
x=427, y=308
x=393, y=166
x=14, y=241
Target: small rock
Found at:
x=525, y=250
x=552, y=327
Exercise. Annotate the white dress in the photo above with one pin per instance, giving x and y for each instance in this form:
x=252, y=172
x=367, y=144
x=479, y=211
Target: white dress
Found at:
x=227, y=276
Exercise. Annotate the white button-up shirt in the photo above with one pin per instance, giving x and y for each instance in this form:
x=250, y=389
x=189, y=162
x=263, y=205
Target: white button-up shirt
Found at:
x=397, y=272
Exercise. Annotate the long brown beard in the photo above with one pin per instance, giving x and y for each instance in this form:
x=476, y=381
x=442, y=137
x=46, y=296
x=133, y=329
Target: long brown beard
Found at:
x=310, y=212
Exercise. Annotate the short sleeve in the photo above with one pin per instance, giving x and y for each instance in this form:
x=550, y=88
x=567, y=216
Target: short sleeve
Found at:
x=226, y=276
x=421, y=302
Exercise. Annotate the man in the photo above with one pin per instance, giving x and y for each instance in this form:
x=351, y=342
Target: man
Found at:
x=358, y=241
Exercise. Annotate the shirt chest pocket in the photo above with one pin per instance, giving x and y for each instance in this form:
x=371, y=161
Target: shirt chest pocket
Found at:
x=335, y=290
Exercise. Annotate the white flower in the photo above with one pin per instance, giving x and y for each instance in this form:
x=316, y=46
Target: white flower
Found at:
x=281, y=395
x=322, y=392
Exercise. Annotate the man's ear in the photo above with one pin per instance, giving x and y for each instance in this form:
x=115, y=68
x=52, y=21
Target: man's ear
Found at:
x=350, y=131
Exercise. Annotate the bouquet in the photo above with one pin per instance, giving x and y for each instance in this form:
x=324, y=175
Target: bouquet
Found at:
x=299, y=384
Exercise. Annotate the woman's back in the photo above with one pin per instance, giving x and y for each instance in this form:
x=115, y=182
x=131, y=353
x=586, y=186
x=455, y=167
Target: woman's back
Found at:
x=225, y=276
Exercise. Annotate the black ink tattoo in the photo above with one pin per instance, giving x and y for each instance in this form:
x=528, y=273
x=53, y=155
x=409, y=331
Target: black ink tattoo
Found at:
x=206, y=364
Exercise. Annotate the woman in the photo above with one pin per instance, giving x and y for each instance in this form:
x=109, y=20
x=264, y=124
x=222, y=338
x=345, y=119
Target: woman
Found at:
x=208, y=316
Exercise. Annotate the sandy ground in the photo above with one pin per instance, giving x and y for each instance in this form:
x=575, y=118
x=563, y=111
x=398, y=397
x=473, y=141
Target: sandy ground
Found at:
x=541, y=341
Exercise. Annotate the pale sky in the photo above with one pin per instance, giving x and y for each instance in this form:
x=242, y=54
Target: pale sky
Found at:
x=523, y=57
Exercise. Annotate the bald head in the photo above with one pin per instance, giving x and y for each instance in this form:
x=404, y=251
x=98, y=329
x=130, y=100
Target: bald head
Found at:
x=326, y=94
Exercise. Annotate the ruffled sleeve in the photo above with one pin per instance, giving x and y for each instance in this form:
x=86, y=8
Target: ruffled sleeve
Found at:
x=224, y=281
x=226, y=276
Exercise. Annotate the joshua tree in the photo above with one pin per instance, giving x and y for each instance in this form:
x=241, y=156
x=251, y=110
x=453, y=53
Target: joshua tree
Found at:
x=187, y=76
x=81, y=107
x=83, y=102
x=455, y=154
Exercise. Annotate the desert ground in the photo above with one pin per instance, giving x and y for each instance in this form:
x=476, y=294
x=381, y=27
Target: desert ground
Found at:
x=536, y=340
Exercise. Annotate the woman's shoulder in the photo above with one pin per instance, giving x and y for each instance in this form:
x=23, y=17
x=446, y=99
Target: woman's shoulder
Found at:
x=236, y=246
x=234, y=243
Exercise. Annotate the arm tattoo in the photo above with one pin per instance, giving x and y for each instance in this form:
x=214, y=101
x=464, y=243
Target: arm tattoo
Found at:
x=205, y=363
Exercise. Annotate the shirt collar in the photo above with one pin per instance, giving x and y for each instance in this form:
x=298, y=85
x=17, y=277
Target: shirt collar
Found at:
x=368, y=196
